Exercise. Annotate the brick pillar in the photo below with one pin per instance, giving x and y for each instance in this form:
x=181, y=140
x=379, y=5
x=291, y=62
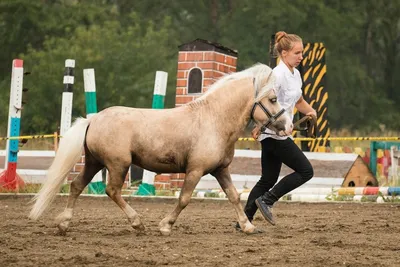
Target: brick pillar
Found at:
x=214, y=61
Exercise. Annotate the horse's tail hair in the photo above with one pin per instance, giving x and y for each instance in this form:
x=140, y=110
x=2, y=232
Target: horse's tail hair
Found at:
x=68, y=153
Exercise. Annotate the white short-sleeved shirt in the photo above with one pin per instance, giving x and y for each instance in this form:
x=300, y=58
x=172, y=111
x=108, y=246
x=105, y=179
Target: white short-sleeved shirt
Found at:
x=288, y=88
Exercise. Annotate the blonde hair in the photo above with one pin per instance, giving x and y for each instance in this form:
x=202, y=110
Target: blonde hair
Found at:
x=284, y=41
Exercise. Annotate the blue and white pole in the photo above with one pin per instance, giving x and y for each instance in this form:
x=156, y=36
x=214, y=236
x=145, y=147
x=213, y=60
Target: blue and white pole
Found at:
x=160, y=89
x=97, y=185
x=9, y=178
x=67, y=96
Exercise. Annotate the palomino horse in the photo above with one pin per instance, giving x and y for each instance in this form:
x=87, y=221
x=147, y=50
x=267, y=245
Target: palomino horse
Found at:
x=197, y=138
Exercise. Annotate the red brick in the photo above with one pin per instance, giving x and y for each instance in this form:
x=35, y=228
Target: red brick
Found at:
x=162, y=178
x=194, y=56
x=78, y=167
x=177, y=183
x=183, y=99
x=162, y=186
x=181, y=83
x=205, y=65
x=232, y=69
x=209, y=56
x=208, y=82
x=82, y=160
x=176, y=176
x=186, y=65
x=208, y=74
x=181, y=91
x=71, y=176
x=234, y=62
x=218, y=74
x=223, y=68
x=182, y=56
x=229, y=60
x=181, y=74
x=220, y=58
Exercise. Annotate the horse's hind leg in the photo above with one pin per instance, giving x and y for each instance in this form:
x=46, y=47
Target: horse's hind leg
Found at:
x=191, y=180
x=113, y=190
x=92, y=166
x=224, y=179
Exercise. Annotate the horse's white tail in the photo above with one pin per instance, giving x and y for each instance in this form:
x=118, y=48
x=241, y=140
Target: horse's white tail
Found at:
x=68, y=153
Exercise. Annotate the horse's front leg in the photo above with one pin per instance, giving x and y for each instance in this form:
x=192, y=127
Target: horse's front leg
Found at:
x=224, y=179
x=191, y=180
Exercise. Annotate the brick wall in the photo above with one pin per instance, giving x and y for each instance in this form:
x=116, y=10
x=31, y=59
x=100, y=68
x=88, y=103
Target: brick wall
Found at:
x=213, y=65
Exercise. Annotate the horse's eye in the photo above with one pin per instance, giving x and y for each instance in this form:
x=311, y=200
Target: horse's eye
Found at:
x=273, y=100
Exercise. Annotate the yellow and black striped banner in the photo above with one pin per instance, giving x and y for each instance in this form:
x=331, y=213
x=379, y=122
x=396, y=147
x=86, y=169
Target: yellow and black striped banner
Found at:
x=313, y=72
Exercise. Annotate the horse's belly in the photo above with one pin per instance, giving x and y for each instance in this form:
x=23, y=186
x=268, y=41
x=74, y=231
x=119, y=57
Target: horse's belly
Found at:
x=158, y=164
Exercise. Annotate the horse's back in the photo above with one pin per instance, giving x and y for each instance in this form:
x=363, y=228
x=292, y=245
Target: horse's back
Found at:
x=146, y=137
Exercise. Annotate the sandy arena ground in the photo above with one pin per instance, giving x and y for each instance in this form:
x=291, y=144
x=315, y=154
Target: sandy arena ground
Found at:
x=306, y=234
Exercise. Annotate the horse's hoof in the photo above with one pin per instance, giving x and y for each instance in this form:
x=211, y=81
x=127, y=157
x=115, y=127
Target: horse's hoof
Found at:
x=62, y=228
x=249, y=228
x=139, y=227
x=256, y=231
x=165, y=232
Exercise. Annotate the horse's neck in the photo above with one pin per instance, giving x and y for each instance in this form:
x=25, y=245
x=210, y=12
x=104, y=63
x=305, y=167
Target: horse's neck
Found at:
x=232, y=108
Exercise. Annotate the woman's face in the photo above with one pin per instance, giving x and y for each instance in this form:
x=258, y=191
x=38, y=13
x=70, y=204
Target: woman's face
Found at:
x=294, y=56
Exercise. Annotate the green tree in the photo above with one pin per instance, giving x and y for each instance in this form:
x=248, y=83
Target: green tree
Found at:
x=125, y=61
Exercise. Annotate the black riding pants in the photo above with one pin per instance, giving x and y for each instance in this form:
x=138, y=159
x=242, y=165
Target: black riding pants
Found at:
x=274, y=153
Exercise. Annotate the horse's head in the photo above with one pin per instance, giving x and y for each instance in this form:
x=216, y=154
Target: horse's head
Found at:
x=266, y=110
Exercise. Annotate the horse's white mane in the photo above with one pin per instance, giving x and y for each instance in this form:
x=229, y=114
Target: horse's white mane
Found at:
x=261, y=73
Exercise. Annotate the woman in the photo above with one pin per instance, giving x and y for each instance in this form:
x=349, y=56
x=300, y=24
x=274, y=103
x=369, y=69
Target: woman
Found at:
x=277, y=149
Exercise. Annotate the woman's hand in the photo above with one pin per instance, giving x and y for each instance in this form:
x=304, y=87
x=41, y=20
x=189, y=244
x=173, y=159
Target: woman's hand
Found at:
x=256, y=132
x=312, y=113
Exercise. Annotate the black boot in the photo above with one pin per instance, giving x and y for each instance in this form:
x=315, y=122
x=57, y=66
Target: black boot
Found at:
x=264, y=204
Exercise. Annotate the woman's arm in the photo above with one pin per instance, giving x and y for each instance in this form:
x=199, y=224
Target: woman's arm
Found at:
x=305, y=108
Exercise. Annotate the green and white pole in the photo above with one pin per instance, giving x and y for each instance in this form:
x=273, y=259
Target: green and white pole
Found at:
x=160, y=89
x=97, y=186
x=89, y=82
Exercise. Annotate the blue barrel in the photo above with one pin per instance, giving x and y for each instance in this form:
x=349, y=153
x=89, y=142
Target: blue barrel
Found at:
x=394, y=191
